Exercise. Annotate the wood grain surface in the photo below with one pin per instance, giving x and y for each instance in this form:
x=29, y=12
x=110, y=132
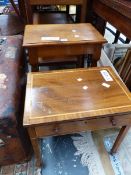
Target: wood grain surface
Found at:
x=115, y=14
x=74, y=33
x=70, y=95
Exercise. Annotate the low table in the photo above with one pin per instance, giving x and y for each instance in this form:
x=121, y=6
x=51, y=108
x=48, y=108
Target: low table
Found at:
x=62, y=40
x=71, y=101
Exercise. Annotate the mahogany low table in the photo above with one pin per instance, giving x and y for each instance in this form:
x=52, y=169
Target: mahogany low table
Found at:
x=62, y=40
x=75, y=100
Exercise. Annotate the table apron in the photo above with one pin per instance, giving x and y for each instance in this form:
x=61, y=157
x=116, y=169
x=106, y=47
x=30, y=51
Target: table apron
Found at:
x=81, y=125
x=63, y=50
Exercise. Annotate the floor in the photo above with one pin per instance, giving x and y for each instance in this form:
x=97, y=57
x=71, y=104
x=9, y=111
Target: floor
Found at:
x=61, y=158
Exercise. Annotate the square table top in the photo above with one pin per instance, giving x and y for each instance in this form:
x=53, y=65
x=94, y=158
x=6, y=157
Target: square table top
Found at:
x=74, y=94
x=57, y=34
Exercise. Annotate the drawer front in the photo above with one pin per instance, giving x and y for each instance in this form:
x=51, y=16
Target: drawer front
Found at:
x=82, y=125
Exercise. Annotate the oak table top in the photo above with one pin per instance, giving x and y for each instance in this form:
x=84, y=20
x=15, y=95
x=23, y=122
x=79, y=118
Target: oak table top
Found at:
x=72, y=94
x=62, y=41
x=36, y=35
x=75, y=100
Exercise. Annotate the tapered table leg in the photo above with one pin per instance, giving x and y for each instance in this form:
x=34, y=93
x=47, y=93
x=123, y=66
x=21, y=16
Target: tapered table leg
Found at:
x=119, y=138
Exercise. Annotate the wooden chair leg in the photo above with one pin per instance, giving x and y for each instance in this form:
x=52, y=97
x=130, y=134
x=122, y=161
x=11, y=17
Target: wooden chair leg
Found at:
x=127, y=41
x=15, y=8
x=80, y=61
x=119, y=138
x=34, y=68
x=117, y=35
x=22, y=10
x=78, y=12
x=67, y=9
x=29, y=13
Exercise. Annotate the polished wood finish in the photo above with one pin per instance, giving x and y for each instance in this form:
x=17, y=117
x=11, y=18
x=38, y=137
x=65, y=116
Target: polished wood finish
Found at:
x=36, y=145
x=122, y=6
x=87, y=41
x=70, y=101
x=117, y=13
x=30, y=3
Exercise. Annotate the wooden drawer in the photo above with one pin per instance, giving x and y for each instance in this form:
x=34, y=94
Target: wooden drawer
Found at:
x=82, y=125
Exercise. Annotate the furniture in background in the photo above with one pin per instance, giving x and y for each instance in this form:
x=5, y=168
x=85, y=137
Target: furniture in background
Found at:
x=125, y=74
x=52, y=18
x=10, y=25
x=118, y=37
x=30, y=3
x=19, y=8
x=91, y=101
x=46, y=17
x=118, y=56
x=62, y=40
x=14, y=141
x=125, y=71
x=15, y=7
x=117, y=13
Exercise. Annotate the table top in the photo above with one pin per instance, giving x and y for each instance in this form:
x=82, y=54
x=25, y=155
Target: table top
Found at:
x=52, y=34
x=74, y=94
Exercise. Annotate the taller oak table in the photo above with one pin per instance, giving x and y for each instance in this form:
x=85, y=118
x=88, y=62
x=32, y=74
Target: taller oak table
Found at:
x=81, y=3
x=62, y=40
x=71, y=101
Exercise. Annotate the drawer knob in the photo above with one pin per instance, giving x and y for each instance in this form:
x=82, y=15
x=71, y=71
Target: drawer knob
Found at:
x=56, y=130
x=113, y=122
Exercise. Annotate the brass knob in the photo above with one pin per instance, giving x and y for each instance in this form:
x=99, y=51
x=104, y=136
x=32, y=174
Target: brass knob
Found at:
x=113, y=122
x=56, y=129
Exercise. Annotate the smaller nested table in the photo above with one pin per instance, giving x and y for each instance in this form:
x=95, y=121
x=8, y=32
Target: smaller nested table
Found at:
x=70, y=101
x=62, y=40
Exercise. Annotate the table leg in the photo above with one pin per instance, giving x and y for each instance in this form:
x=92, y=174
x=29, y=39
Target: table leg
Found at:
x=119, y=138
x=83, y=11
x=78, y=11
x=80, y=61
x=36, y=147
x=34, y=68
x=67, y=9
x=33, y=59
x=28, y=10
x=96, y=55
